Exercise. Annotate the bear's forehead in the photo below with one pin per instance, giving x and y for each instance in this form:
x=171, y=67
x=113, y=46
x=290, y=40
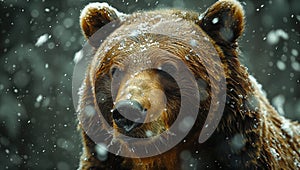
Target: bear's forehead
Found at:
x=148, y=28
x=165, y=23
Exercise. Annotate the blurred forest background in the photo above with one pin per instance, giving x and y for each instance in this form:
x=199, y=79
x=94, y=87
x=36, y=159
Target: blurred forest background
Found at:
x=40, y=37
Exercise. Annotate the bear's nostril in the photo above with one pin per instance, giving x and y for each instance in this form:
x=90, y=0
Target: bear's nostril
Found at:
x=116, y=115
x=128, y=114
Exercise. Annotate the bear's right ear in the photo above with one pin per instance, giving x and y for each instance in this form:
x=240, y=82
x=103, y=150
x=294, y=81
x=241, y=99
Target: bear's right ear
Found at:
x=96, y=15
x=223, y=21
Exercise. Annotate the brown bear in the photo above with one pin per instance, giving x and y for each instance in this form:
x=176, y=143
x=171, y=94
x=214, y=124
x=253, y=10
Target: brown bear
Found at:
x=152, y=69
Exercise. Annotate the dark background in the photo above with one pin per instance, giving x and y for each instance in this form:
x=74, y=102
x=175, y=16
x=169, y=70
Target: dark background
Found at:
x=37, y=117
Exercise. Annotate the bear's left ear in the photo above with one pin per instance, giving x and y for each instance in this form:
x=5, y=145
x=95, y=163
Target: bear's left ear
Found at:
x=223, y=21
x=96, y=15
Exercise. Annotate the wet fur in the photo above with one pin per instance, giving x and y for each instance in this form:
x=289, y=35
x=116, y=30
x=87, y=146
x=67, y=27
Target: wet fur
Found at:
x=247, y=112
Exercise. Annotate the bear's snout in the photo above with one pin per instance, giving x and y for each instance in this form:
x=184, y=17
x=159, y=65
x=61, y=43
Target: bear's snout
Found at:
x=129, y=114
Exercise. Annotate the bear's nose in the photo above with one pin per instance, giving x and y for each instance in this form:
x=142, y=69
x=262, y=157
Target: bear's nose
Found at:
x=129, y=114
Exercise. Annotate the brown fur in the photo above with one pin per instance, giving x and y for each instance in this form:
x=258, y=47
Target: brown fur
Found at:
x=248, y=116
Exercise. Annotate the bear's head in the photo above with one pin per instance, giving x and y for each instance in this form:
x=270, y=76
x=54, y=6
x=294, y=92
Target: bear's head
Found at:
x=148, y=68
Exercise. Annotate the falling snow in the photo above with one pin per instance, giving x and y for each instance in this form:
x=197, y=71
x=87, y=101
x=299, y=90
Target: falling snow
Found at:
x=281, y=65
x=215, y=20
x=274, y=36
x=42, y=39
x=278, y=102
x=78, y=56
x=101, y=150
x=41, y=42
x=39, y=98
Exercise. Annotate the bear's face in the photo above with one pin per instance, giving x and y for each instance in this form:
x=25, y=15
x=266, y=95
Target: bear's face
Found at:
x=143, y=83
x=154, y=62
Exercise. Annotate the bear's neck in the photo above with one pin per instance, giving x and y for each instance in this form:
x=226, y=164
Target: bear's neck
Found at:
x=239, y=128
x=242, y=107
